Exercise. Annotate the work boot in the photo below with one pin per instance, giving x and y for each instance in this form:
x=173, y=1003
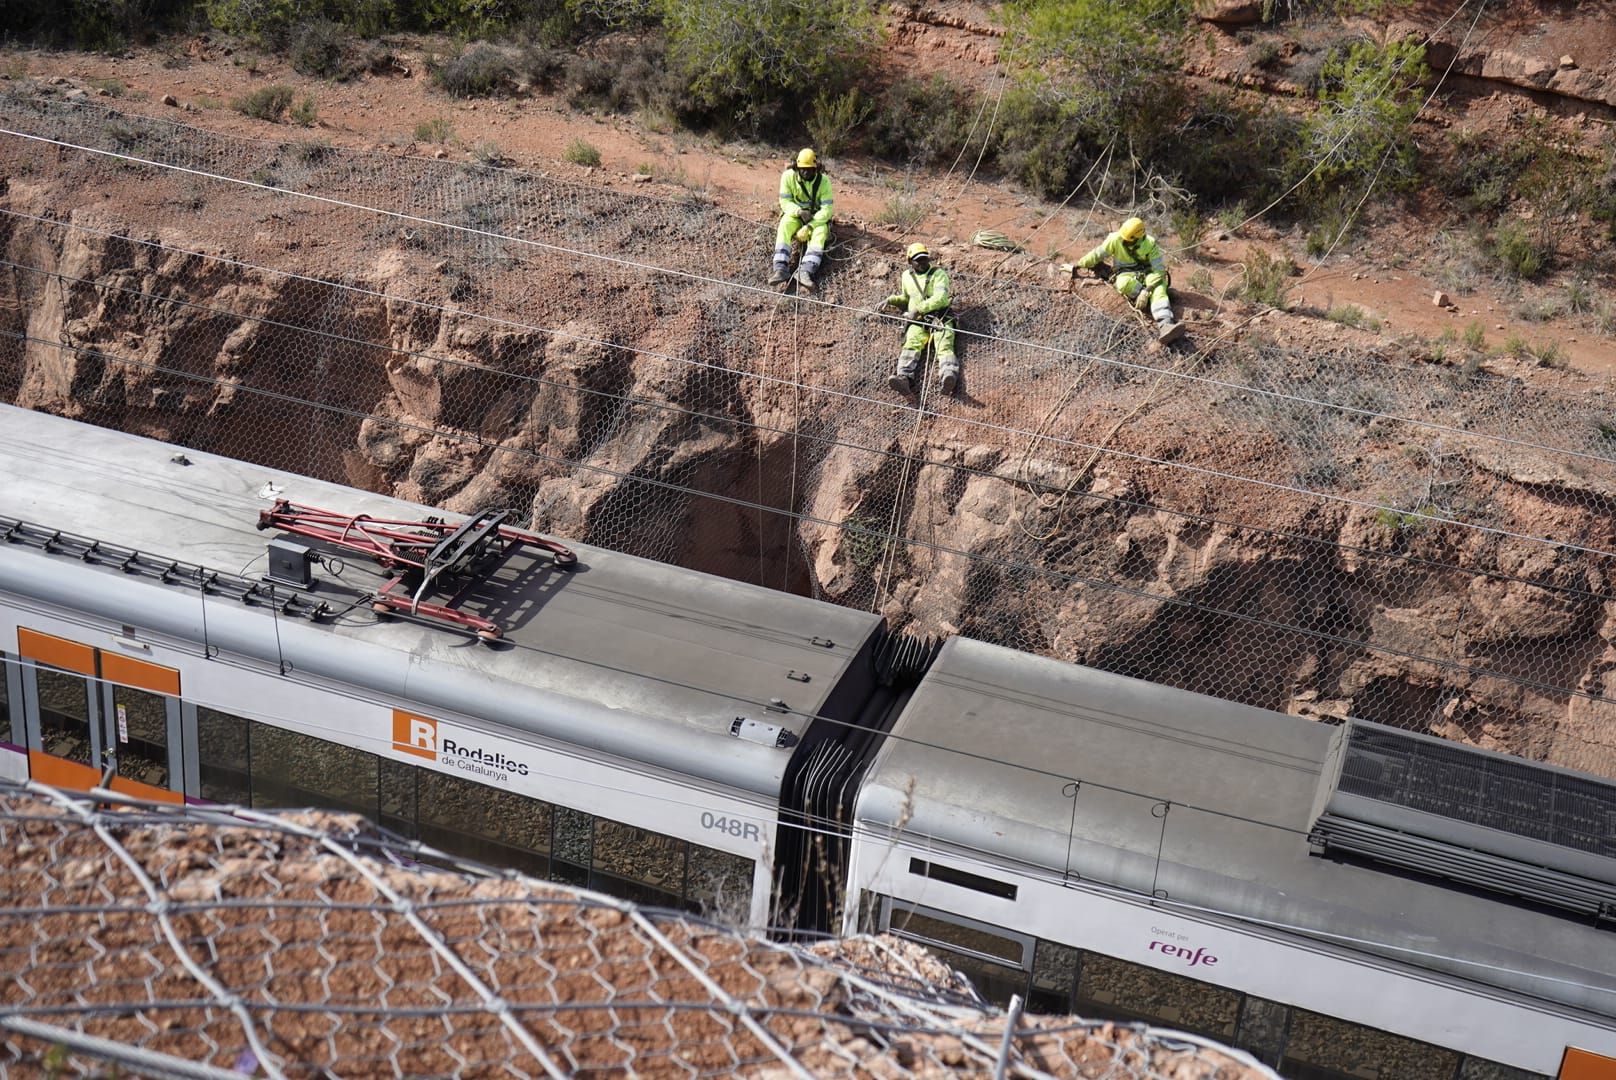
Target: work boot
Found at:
x=903, y=384
x=805, y=278
x=779, y=274
x=950, y=380
x=948, y=368
x=1167, y=332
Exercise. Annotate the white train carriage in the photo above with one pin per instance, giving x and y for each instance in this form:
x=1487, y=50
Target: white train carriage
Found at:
x=1111, y=847
x=630, y=732
x=1093, y=843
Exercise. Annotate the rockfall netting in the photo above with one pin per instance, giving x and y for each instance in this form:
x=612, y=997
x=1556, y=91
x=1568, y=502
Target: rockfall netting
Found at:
x=1422, y=544
x=189, y=942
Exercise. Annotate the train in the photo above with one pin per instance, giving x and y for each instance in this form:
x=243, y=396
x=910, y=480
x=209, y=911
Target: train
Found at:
x=1339, y=900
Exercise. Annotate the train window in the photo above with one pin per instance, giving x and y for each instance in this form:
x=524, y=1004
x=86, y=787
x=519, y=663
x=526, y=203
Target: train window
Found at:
x=64, y=715
x=720, y=885
x=950, y=933
x=1477, y=1069
x=6, y=731
x=1323, y=1047
x=293, y=769
x=484, y=823
x=964, y=879
x=398, y=801
x=1262, y=1028
x=142, y=734
x=1117, y=989
x=869, y=910
x=641, y=865
x=221, y=757
x=997, y=983
x=1054, y=976
x=572, y=848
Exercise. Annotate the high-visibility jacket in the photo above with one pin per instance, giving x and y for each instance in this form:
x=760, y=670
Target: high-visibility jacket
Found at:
x=1143, y=255
x=811, y=203
x=925, y=293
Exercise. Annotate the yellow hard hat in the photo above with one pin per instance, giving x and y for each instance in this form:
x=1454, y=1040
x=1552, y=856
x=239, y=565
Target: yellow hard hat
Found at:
x=916, y=248
x=807, y=159
x=1132, y=229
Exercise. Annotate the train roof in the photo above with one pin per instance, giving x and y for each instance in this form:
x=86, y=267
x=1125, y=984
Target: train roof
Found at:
x=1089, y=775
x=665, y=658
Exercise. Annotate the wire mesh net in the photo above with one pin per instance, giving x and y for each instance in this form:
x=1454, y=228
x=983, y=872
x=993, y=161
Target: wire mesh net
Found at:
x=173, y=941
x=1349, y=532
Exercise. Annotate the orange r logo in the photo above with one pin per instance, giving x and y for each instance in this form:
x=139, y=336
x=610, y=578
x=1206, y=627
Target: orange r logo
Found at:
x=416, y=735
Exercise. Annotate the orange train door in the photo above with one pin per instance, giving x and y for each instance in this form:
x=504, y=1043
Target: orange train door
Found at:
x=1586, y=1065
x=88, y=709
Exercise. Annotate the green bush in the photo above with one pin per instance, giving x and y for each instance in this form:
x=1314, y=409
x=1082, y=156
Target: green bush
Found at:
x=924, y=122
x=1354, y=316
x=1039, y=147
x=1267, y=278
x=304, y=111
x=269, y=21
x=478, y=71
x=436, y=130
x=1108, y=66
x=1519, y=251
x=904, y=210
x=318, y=47
x=1223, y=148
x=93, y=24
x=834, y=118
x=1364, y=127
x=752, y=63
x=266, y=103
x=624, y=75
x=580, y=152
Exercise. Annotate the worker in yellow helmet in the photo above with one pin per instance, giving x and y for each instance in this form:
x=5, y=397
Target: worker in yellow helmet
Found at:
x=1139, y=272
x=927, y=305
x=805, y=212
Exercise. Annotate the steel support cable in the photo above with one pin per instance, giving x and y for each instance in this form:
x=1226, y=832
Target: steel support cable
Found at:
x=888, y=553
x=738, y=1009
x=1390, y=79
x=919, y=1008
x=998, y=284
x=721, y=283
x=1134, y=367
x=157, y=907
x=1205, y=350
x=166, y=813
x=1415, y=514
x=999, y=563
x=434, y=941
x=1385, y=157
x=147, y=1062
x=796, y=433
x=1038, y=435
x=966, y=143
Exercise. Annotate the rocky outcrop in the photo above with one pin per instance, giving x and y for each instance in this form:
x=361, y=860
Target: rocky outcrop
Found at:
x=1323, y=609
x=1229, y=12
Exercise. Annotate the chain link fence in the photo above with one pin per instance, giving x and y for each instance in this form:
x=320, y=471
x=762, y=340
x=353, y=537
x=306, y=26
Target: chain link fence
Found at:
x=1425, y=545
x=189, y=942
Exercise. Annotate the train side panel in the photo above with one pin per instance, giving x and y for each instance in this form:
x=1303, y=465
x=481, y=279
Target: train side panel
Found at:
x=909, y=876
x=326, y=720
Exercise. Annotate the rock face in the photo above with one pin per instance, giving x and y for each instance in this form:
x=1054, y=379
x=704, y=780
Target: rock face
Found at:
x=1186, y=576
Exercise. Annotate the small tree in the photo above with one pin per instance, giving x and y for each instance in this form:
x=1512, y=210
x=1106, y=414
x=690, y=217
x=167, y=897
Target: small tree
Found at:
x=1368, y=99
x=753, y=57
x=1108, y=66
